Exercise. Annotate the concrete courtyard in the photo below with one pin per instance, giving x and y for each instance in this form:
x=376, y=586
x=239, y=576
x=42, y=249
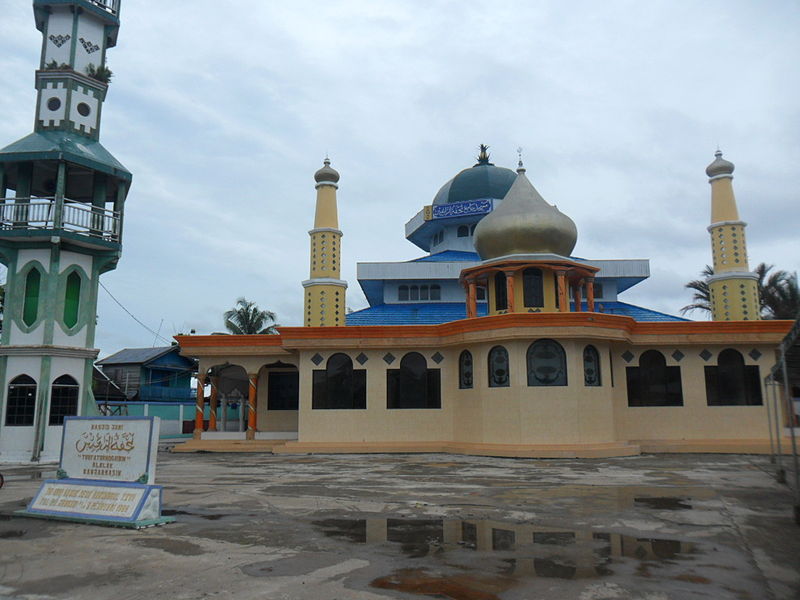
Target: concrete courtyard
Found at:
x=655, y=527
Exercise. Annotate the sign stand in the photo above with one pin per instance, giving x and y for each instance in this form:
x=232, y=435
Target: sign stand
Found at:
x=105, y=475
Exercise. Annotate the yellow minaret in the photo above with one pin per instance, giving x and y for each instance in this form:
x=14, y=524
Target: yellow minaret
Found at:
x=733, y=287
x=324, y=291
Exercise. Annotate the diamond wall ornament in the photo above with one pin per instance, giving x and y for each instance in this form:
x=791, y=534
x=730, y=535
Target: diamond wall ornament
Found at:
x=388, y=358
x=316, y=359
x=677, y=355
x=362, y=358
x=627, y=356
x=59, y=40
x=705, y=355
x=754, y=354
x=88, y=46
x=437, y=358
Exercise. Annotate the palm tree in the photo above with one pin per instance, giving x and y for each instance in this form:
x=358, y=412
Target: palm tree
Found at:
x=778, y=293
x=702, y=295
x=246, y=319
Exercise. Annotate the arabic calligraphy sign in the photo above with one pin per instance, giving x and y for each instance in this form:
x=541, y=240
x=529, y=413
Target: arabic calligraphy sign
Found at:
x=110, y=449
x=461, y=209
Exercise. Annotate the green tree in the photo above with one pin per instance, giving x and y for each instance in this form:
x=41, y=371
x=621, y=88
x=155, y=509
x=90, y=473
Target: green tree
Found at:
x=246, y=319
x=777, y=291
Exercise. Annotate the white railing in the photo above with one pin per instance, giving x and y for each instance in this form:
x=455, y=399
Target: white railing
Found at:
x=111, y=6
x=41, y=213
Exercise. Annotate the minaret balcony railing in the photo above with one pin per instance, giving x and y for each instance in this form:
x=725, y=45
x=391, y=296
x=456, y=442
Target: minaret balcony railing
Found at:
x=42, y=214
x=111, y=6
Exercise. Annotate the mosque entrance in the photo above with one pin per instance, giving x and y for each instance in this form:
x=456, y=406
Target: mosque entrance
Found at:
x=278, y=401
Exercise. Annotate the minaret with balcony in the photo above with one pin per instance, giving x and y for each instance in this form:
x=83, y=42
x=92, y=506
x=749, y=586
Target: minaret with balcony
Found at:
x=62, y=197
x=324, y=304
x=733, y=289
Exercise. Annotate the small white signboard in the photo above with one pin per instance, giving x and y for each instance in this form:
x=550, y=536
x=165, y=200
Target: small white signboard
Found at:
x=110, y=448
x=108, y=465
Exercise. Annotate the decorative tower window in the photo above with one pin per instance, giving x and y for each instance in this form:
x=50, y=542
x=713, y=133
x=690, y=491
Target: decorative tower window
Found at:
x=30, y=306
x=72, y=296
x=500, y=292
x=21, y=405
x=63, y=400
x=533, y=288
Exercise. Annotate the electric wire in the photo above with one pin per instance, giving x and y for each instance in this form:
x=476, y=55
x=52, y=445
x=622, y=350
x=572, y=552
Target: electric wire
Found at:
x=155, y=333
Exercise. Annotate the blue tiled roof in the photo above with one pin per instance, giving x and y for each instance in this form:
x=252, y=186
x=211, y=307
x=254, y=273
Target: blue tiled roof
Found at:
x=433, y=313
x=450, y=256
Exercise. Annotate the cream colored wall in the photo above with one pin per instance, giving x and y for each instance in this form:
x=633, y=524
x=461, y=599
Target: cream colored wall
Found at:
x=520, y=414
x=695, y=420
x=272, y=420
x=729, y=304
x=376, y=423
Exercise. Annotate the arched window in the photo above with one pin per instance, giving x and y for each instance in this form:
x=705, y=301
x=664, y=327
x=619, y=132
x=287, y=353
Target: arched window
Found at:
x=547, y=363
x=653, y=383
x=413, y=385
x=30, y=306
x=63, y=399
x=498, y=367
x=500, y=292
x=72, y=296
x=731, y=382
x=436, y=292
x=21, y=404
x=402, y=292
x=533, y=287
x=339, y=385
x=463, y=231
x=591, y=366
x=465, y=370
x=423, y=292
x=413, y=292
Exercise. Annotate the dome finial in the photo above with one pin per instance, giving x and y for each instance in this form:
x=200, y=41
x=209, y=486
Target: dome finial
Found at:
x=483, y=157
x=520, y=166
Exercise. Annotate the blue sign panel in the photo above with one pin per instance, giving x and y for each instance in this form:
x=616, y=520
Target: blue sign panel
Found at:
x=462, y=209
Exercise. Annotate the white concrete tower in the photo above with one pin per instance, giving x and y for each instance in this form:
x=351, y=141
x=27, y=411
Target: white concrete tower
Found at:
x=62, y=198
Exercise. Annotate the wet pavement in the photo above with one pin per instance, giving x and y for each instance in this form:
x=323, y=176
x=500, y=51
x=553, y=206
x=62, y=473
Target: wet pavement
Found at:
x=659, y=527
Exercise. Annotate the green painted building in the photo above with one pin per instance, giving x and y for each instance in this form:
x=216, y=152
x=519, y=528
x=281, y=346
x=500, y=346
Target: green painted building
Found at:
x=62, y=200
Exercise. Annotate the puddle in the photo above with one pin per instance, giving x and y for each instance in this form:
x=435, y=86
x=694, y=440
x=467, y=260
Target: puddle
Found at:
x=14, y=533
x=460, y=586
x=168, y=512
x=501, y=549
x=664, y=503
x=171, y=545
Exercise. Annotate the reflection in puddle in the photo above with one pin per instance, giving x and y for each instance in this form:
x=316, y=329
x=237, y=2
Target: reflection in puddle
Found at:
x=664, y=503
x=521, y=550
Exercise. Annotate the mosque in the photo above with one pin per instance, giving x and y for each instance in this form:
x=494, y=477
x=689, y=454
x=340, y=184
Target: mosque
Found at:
x=498, y=342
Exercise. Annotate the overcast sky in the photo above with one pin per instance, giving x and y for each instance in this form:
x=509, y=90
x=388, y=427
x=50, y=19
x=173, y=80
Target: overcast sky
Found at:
x=223, y=111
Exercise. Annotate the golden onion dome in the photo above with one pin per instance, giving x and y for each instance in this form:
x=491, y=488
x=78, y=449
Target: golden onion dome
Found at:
x=524, y=224
x=720, y=166
x=326, y=173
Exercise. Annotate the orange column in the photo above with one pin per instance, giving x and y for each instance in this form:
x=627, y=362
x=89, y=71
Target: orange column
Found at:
x=510, y=290
x=578, y=295
x=472, y=299
x=563, y=300
x=199, y=407
x=590, y=294
x=212, y=410
x=251, y=406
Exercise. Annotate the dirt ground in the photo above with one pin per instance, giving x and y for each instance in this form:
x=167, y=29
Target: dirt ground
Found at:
x=656, y=527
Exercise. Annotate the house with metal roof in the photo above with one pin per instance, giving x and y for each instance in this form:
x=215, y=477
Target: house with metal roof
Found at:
x=151, y=374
